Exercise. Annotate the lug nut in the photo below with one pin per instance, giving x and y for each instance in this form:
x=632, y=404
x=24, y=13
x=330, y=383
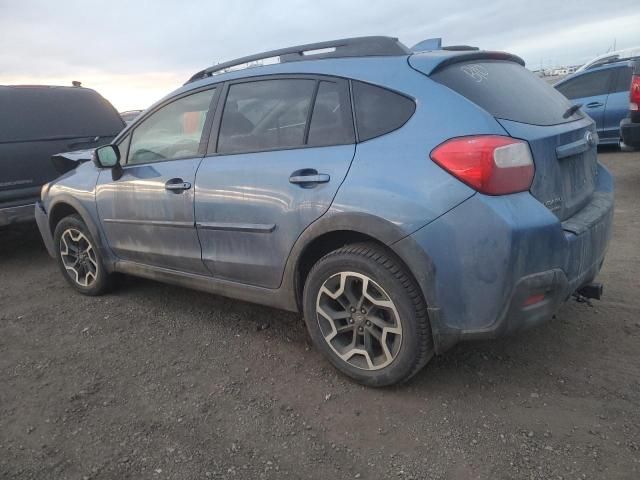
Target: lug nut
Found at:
x=353, y=309
x=360, y=329
x=363, y=311
x=368, y=323
x=351, y=320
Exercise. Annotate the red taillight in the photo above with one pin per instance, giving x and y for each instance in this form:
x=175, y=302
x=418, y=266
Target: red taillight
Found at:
x=491, y=164
x=634, y=96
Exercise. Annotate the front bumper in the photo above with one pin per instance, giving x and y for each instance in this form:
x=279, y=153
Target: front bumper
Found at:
x=16, y=214
x=630, y=133
x=488, y=256
x=42, y=219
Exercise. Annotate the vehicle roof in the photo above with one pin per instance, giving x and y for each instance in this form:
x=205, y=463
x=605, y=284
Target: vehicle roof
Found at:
x=384, y=70
x=613, y=64
x=41, y=87
x=620, y=54
x=371, y=46
x=374, y=69
x=393, y=72
x=53, y=91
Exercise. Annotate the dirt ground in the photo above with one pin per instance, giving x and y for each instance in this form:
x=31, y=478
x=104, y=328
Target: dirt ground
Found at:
x=159, y=382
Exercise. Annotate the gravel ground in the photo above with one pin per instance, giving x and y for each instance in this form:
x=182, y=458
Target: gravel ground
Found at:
x=159, y=382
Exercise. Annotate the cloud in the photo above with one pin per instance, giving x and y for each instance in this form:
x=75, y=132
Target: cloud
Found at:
x=127, y=42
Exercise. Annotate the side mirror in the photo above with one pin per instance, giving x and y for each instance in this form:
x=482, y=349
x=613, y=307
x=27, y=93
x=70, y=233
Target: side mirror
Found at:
x=107, y=156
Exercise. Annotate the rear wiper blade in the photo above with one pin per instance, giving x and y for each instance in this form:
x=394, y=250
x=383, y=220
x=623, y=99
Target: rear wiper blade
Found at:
x=571, y=110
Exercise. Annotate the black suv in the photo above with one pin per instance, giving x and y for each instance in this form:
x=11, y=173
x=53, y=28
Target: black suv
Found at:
x=37, y=122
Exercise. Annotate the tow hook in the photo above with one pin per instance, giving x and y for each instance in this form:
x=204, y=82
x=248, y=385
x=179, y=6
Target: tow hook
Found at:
x=585, y=293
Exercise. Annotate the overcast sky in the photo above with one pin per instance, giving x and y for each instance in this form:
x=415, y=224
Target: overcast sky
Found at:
x=134, y=52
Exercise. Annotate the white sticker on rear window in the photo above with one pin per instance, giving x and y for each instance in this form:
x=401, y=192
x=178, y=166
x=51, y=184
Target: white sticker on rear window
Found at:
x=475, y=71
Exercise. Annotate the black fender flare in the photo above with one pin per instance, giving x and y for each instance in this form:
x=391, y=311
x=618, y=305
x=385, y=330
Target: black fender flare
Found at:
x=367, y=224
x=87, y=218
x=397, y=240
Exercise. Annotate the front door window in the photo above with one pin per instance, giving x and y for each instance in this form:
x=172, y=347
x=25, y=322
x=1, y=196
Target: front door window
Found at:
x=172, y=132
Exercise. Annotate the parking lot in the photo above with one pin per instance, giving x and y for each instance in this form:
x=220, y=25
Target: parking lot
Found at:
x=155, y=381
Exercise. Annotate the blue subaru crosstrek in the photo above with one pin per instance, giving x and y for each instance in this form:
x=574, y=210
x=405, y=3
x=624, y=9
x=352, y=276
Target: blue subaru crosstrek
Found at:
x=402, y=201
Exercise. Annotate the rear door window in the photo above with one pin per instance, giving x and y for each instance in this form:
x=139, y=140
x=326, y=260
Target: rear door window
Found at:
x=42, y=113
x=331, y=119
x=507, y=91
x=265, y=115
x=378, y=110
x=587, y=85
x=622, y=81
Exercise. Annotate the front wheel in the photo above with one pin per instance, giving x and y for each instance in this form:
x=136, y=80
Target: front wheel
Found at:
x=366, y=314
x=79, y=258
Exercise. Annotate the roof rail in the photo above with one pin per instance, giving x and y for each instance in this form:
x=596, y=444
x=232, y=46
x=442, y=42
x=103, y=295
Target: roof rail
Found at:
x=346, y=47
x=612, y=59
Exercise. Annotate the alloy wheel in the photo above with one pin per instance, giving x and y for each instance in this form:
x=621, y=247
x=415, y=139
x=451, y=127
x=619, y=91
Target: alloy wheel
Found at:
x=359, y=321
x=78, y=257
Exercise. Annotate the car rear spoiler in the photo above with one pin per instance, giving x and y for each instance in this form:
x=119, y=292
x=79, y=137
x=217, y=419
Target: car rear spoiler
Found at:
x=433, y=61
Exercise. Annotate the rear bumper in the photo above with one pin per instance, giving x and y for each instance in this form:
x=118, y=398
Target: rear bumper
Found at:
x=16, y=214
x=489, y=255
x=630, y=133
x=42, y=219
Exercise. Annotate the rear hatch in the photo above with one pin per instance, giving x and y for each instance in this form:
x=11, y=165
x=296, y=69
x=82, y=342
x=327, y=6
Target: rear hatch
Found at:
x=37, y=122
x=563, y=144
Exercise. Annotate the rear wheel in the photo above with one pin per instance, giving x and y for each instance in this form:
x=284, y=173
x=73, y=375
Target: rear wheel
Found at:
x=366, y=314
x=79, y=258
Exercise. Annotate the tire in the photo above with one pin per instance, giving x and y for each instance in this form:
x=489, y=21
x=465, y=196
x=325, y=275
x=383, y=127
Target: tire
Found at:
x=88, y=274
x=389, y=322
x=624, y=147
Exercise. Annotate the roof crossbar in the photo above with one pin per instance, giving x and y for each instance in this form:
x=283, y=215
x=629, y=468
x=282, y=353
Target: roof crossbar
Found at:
x=346, y=47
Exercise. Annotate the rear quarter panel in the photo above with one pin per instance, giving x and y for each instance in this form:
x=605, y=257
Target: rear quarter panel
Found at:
x=393, y=176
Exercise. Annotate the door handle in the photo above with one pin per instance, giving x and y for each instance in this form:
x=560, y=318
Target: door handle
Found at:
x=594, y=104
x=308, y=177
x=177, y=185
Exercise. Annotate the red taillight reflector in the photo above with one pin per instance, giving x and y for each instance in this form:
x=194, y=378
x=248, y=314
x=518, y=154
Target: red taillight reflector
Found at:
x=491, y=164
x=533, y=299
x=634, y=96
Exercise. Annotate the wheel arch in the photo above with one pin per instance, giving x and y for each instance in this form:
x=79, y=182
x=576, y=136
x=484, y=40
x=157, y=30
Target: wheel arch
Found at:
x=58, y=211
x=333, y=231
x=64, y=206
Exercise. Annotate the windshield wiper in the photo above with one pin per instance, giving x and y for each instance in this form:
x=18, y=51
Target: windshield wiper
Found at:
x=571, y=110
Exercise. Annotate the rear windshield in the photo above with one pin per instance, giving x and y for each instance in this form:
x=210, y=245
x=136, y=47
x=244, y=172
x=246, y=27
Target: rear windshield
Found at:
x=40, y=113
x=508, y=91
